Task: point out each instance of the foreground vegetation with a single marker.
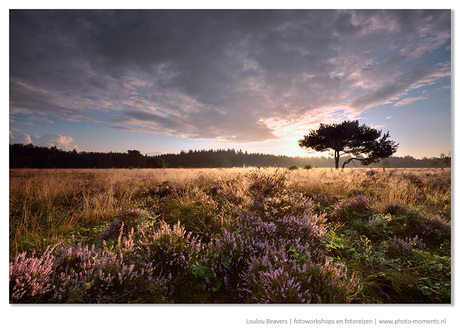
(237, 235)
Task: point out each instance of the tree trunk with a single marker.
(336, 158)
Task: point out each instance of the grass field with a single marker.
(240, 235)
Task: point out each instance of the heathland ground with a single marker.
(240, 235)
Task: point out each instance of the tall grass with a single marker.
(46, 205)
(428, 187)
(230, 235)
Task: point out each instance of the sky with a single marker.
(162, 81)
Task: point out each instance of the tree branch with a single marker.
(349, 160)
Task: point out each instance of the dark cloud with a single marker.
(218, 74)
(28, 99)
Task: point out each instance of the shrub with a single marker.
(413, 179)
(227, 258)
(276, 278)
(224, 262)
(394, 209)
(230, 195)
(307, 167)
(31, 278)
(281, 205)
(172, 251)
(309, 230)
(80, 273)
(323, 200)
(196, 211)
(376, 227)
(263, 184)
(293, 167)
(100, 275)
(126, 220)
(164, 189)
(399, 246)
(281, 276)
(358, 208)
(433, 229)
(171, 248)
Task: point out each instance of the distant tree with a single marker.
(361, 142)
(445, 160)
(154, 162)
(134, 158)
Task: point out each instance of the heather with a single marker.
(241, 235)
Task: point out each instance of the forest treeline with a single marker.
(30, 156)
(233, 158)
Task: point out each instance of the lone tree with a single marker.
(361, 142)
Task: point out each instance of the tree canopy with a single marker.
(361, 142)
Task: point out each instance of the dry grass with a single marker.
(410, 187)
(47, 205)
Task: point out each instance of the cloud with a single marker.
(378, 126)
(408, 101)
(20, 139)
(124, 128)
(447, 87)
(220, 75)
(47, 140)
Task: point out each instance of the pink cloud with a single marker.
(20, 139)
(48, 140)
(408, 101)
